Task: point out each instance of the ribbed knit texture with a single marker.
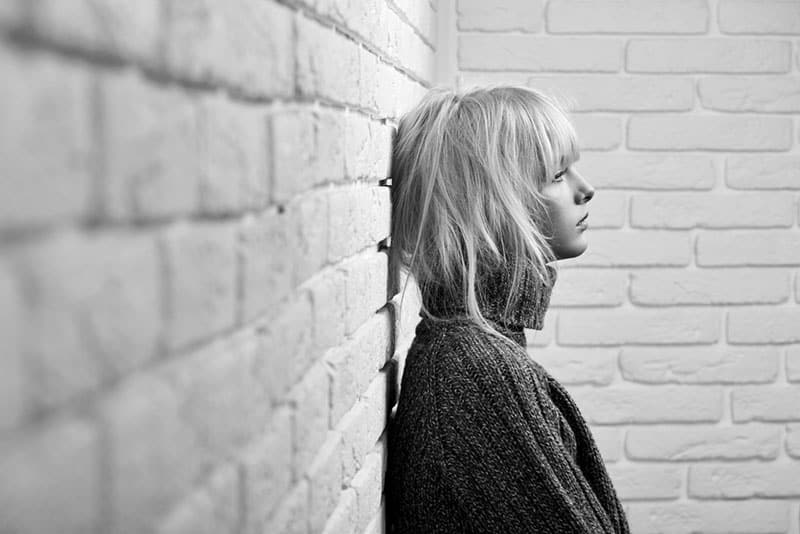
(484, 439)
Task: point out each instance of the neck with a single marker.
(526, 311)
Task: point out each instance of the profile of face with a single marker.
(566, 195)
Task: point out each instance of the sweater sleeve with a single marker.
(503, 463)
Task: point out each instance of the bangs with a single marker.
(564, 142)
(559, 145)
(550, 132)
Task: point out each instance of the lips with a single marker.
(582, 220)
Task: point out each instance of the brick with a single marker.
(703, 442)
(797, 287)
(748, 248)
(649, 171)
(113, 28)
(376, 526)
(14, 404)
(793, 364)
(369, 74)
(578, 366)
(267, 471)
(714, 55)
(152, 453)
(589, 287)
(598, 132)
(634, 405)
(54, 467)
(771, 95)
(379, 26)
(496, 16)
(366, 280)
(422, 17)
(685, 517)
(234, 174)
(344, 515)
(609, 441)
(651, 248)
(697, 132)
(682, 17)
(699, 365)
(286, 346)
(307, 150)
(202, 37)
(650, 482)
(765, 403)
(743, 481)
(358, 21)
(327, 64)
(762, 172)
(46, 152)
(668, 287)
(201, 264)
(267, 269)
(382, 140)
(328, 292)
(359, 218)
(793, 440)
(763, 324)
(374, 159)
(151, 149)
(533, 53)
(291, 517)
(368, 484)
(615, 93)
(325, 482)
(308, 234)
(212, 508)
(693, 210)
(219, 396)
(758, 17)
(468, 79)
(94, 313)
(362, 426)
(640, 326)
(310, 398)
(355, 364)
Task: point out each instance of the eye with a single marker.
(560, 174)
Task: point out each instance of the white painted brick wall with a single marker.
(197, 333)
(678, 330)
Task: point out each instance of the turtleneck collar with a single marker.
(528, 311)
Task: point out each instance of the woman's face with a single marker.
(566, 195)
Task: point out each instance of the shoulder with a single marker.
(465, 360)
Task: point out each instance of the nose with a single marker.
(584, 190)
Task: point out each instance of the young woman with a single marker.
(485, 199)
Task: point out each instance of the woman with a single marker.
(485, 199)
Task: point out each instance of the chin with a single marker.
(571, 250)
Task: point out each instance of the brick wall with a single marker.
(678, 331)
(195, 316)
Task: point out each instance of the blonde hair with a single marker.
(467, 170)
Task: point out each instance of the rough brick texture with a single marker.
(198, 328)
(197, 334)
(677, 331)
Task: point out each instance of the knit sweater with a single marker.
(484, 439)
